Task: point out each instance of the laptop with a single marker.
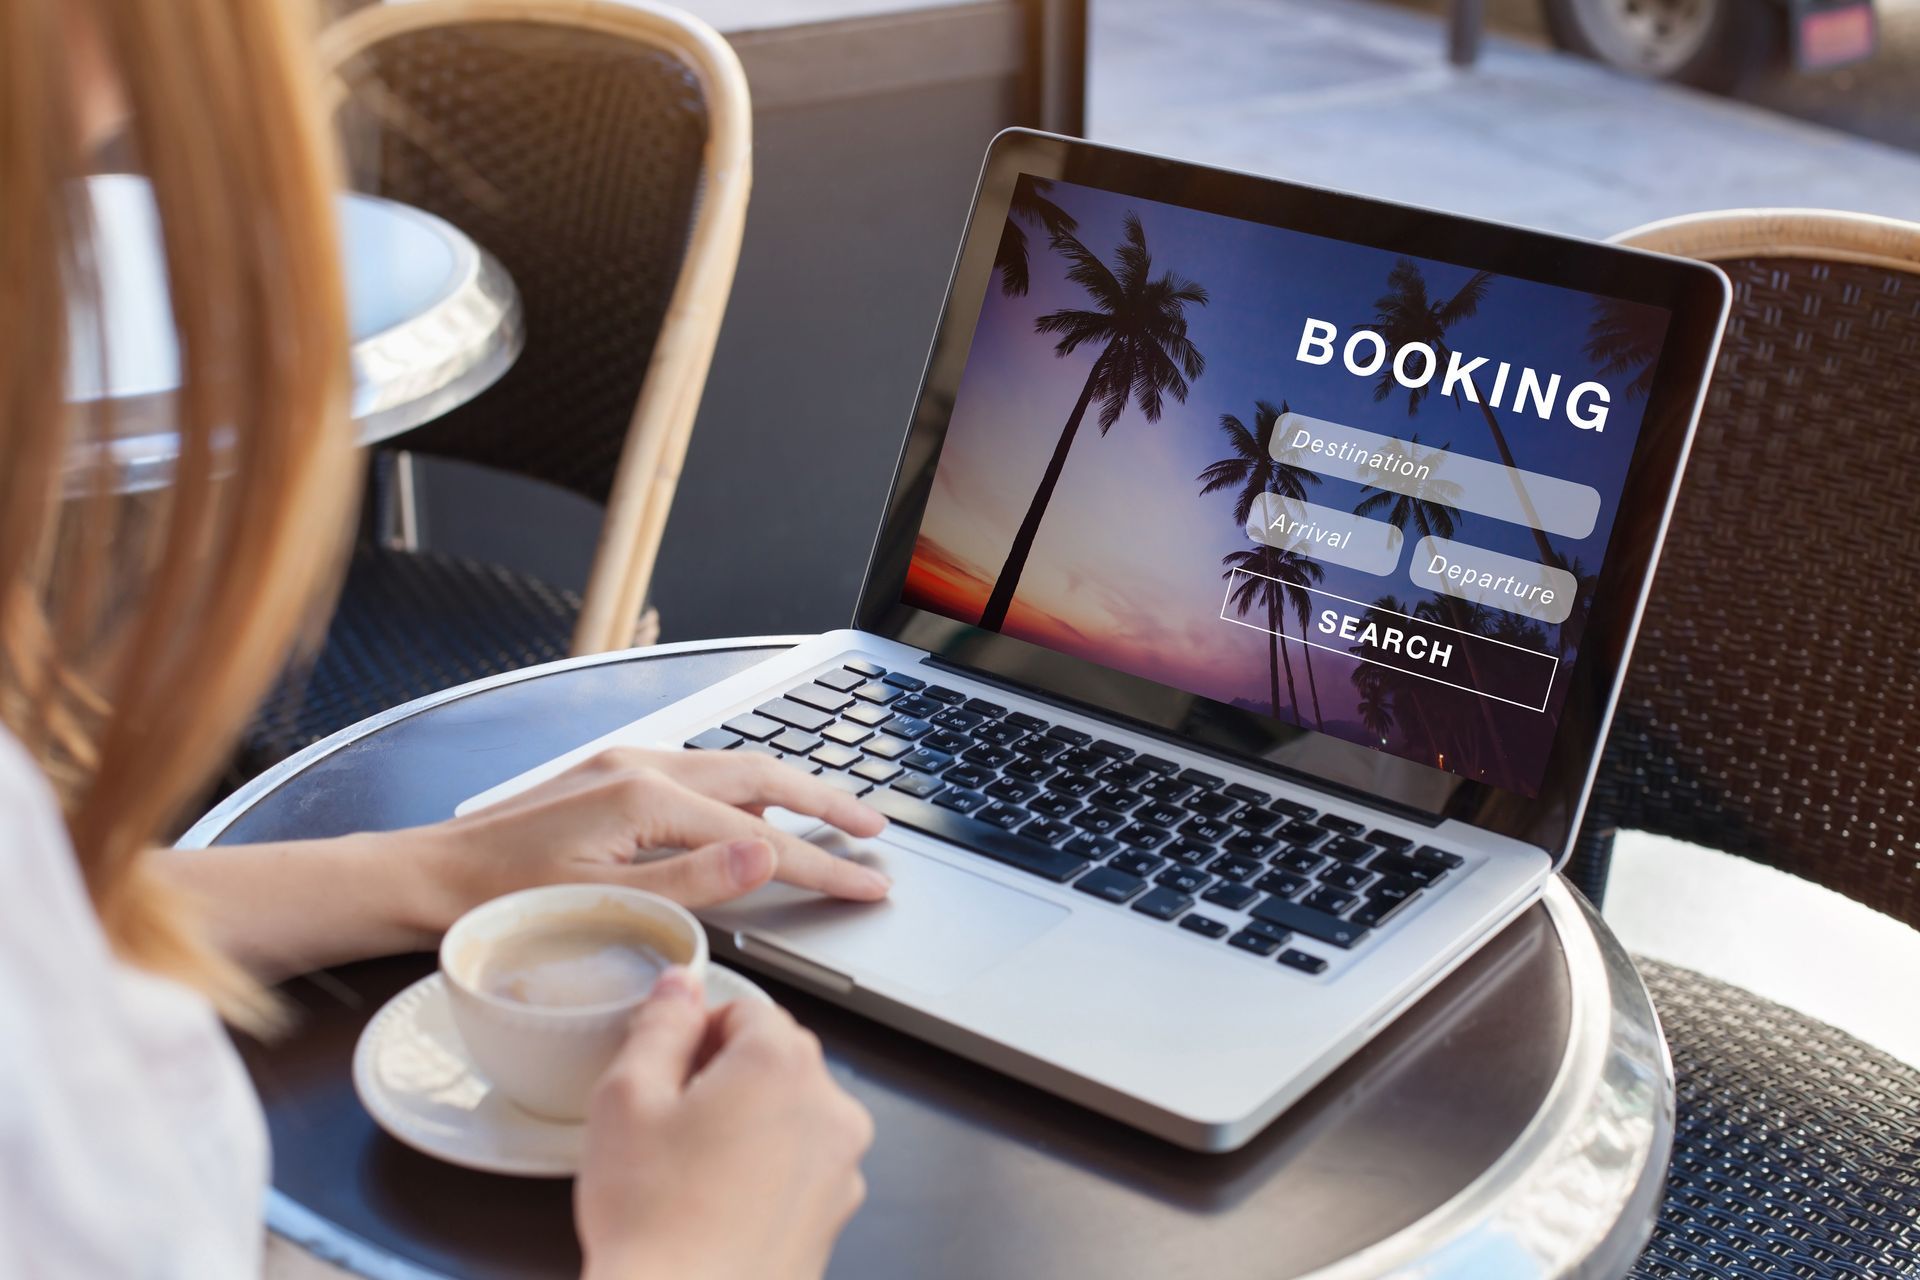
(1241, 632)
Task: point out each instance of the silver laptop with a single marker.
(1241, 632)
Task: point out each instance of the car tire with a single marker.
(1711, 44)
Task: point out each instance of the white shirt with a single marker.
(131, 1143)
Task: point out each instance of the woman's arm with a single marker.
(286, 908)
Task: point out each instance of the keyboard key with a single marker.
(970, 776)
(1231, 866)
(1330, 900)
(759, 749)
(1348, 849)
(1047, 831)
(1012, 791)
(842, 681)
(877, 770)
(1077, 785)
(981, 707)
(1071, 736)
(1230, 895)
(1159, 815)
(987, 755)
(1262, 822)
(1080, 760)
(1304, 834)
(1375, 912)
(819, 697)
(1202, 779)
(1345, 826)
(1212, 804)
(759, 728)
(1054, 805)
(1258, 943)
(1101, 822)
(1027, 769)
(1188, 853)
(1111, 885)
(787, 712)
(877, 693)
(1342, 876)
(846, 782)
(1315, 924)
(1248, 845)
(1407, 868)
(835, 756)
(947, 740)
(1297, 959)
(958, 718)
(713, 740)
(926, 761)
(1041, 747)
(1292, 808)
(916, 706)
(1143, 836)
(1125, 776)
(999, 733)
(1205, 926)
(1165, 789)
(960, 800)
(872, 717)
(847, 735)
(1119, 799)
(1163, 903)
(1206, 830)
(1428, 853)
(1112, 750)
(1302, 861)
(940, 693)
(1250, 795)
(794, 742)
(901, 680)
(1088, 845)
(887, 747)
(1267, 930)
(871, 670)
(1185, 879)
(1393, 889)
(1388, 840)
(908, 727)
(1136, 863)
(917, 785)
(1282, 884)
(1024, 722)
(1004, 815)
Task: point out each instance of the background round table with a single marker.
(434, 321)
(1515, 1123)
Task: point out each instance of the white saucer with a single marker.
(413, 1076)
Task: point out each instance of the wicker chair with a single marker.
(1772, 710)
(601, 152)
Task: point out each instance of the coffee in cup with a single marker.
(543, 982)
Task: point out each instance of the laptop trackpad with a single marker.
(940, 926)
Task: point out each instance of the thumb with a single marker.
(664, 1038)
(710, 874)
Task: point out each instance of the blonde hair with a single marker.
(138, 633)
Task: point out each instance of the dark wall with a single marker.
(868, 140)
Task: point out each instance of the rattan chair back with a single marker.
(1772, 708)
(600, 151)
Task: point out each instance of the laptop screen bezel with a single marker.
(1695, 293)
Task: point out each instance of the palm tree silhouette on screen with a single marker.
(1031, 206)
(1140, 321)
(1405, 313)
(1623, 337)
(1250, 469)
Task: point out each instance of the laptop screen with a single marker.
(1353, 490)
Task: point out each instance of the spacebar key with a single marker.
(1315, 924)
(981, 837)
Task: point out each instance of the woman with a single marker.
(135, 639)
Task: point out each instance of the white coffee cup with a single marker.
(546, 1057)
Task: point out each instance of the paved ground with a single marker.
(1354, 94)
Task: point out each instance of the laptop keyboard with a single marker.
(1222, 860)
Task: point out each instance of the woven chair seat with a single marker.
(411, 623)
(1797, 1152)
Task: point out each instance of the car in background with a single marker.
(1714, 44)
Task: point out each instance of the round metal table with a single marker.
(1516, 1123)
(434, 321)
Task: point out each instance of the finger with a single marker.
(754, 781)
(699, 819)
(713, 873)
(663, 1040)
